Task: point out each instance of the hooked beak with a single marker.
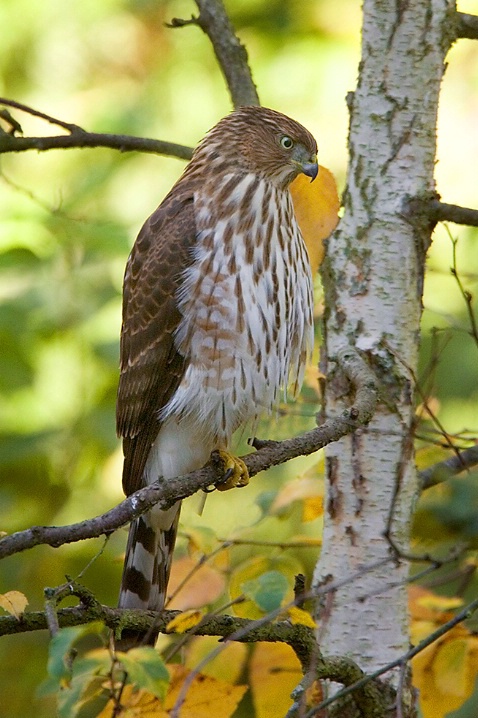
(311, 168)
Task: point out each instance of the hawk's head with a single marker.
(259, 140)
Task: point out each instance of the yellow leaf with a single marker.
(185, 621)
(440, 603)
(297, 490)
(448, 668)
(14, 603)
(313, 508)
(427, 606)
(298, 615)
(201, 539)
(227, 666)
(202, 587)
(274, 672)
(135, 704)
(205, 697)
(316, 206)
(445, 672)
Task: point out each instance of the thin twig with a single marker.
(79, 138)
(467, 296)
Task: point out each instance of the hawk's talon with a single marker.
(235, 473)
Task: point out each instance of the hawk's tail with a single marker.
(147, 566)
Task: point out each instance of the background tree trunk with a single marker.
(373, 280)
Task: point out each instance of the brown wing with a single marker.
(151, 368)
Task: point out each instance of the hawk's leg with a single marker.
(234, 471)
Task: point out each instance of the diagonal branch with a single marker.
(230, 53)
(80, 138)
(166, 493)
(437, 473)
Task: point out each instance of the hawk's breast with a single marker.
(246, 303)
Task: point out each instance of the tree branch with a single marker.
(442, 212)
(299, 637)
(466, 26)
(441, 471)
(80, 138)
(116, 619)
(166, 493)
(230, 53)
(436, 211)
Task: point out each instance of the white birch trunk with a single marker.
(373, 278)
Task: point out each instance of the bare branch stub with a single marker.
(442, 212)
(466, 26)
(432, 209)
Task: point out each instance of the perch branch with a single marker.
(230, 53)
(166, 493)
(80, 138)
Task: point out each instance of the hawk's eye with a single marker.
(286, 142)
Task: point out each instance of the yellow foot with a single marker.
(234, 470)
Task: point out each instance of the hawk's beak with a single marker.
(311, 168)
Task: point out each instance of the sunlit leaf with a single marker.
(274, 671)
(202, 538)
(298, 490)
(227, 666)
(185, 621)
(298, 615)
(135, 704)
(313, 508)
(14, 602)
(316, 205)
(202, 587)
(445, 672)
(205, 697)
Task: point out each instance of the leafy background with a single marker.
(68, 220)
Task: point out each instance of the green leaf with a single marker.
(84, 689)
(60, 664)
(146, 669)
(267, 591)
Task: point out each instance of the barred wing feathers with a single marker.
(151, 367)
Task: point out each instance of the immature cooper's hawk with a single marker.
(217, 318)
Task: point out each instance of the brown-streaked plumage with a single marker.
(217, 320)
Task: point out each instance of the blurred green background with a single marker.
(69, 218)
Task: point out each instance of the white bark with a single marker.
(373, 278)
